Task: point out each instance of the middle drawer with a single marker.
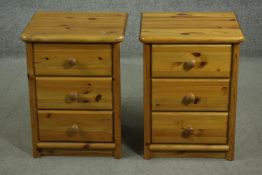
(190, 94)
(74, 93)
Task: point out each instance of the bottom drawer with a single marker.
(82, 126)
(189, 127)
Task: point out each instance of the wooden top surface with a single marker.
(76, 27)
(193, 27)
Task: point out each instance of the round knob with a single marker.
(71, 61)
(189, 98)
(189, 64)
(74, 129)
(72, 96)
(187, 132)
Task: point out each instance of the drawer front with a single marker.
(74, 93)
(190, 95)
(72, 60)
(85, 126)
(191, 60)
(189, 127)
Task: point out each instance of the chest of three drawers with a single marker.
(74, 83)
(190, 84)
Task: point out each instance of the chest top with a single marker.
(75, 27)
(195, 27)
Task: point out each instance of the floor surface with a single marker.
(15, 132)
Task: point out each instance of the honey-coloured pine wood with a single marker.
(117, 101)
(77, 152)
(90, 93)
(190, 27)
(189, 127)
(191, 60)
(190, 83)
(79, 126)
(233, 102)
(70, 145)
(76, 27)
(32, 99)
(190, 94)
(186, 154)
(147, 98)
(74, 82)
(187, 147)
(73, 59)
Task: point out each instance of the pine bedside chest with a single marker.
(190, 84)
(73, 63)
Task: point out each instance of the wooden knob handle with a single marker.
(72, 96)
(187, 132)
(71, 61)
(74, 129)
(189, 64)
(189, 98)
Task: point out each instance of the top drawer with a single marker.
(191, 60)
(73, 59)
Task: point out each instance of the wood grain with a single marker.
(117, 101)
(147, 100)
(172, 60)
(32, 99)
(191, 16)
(74, 82)
(207, 127)
(74, 152)
(93, 126)
(187, 147)
(72, 145)
(91, 93)
(190, 27)
(233, 102)
(188, 154)
(90, 59)
(76, 27)
(210, 94)
(193, 67)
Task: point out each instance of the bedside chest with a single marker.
(190, 84)
(73, 63)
